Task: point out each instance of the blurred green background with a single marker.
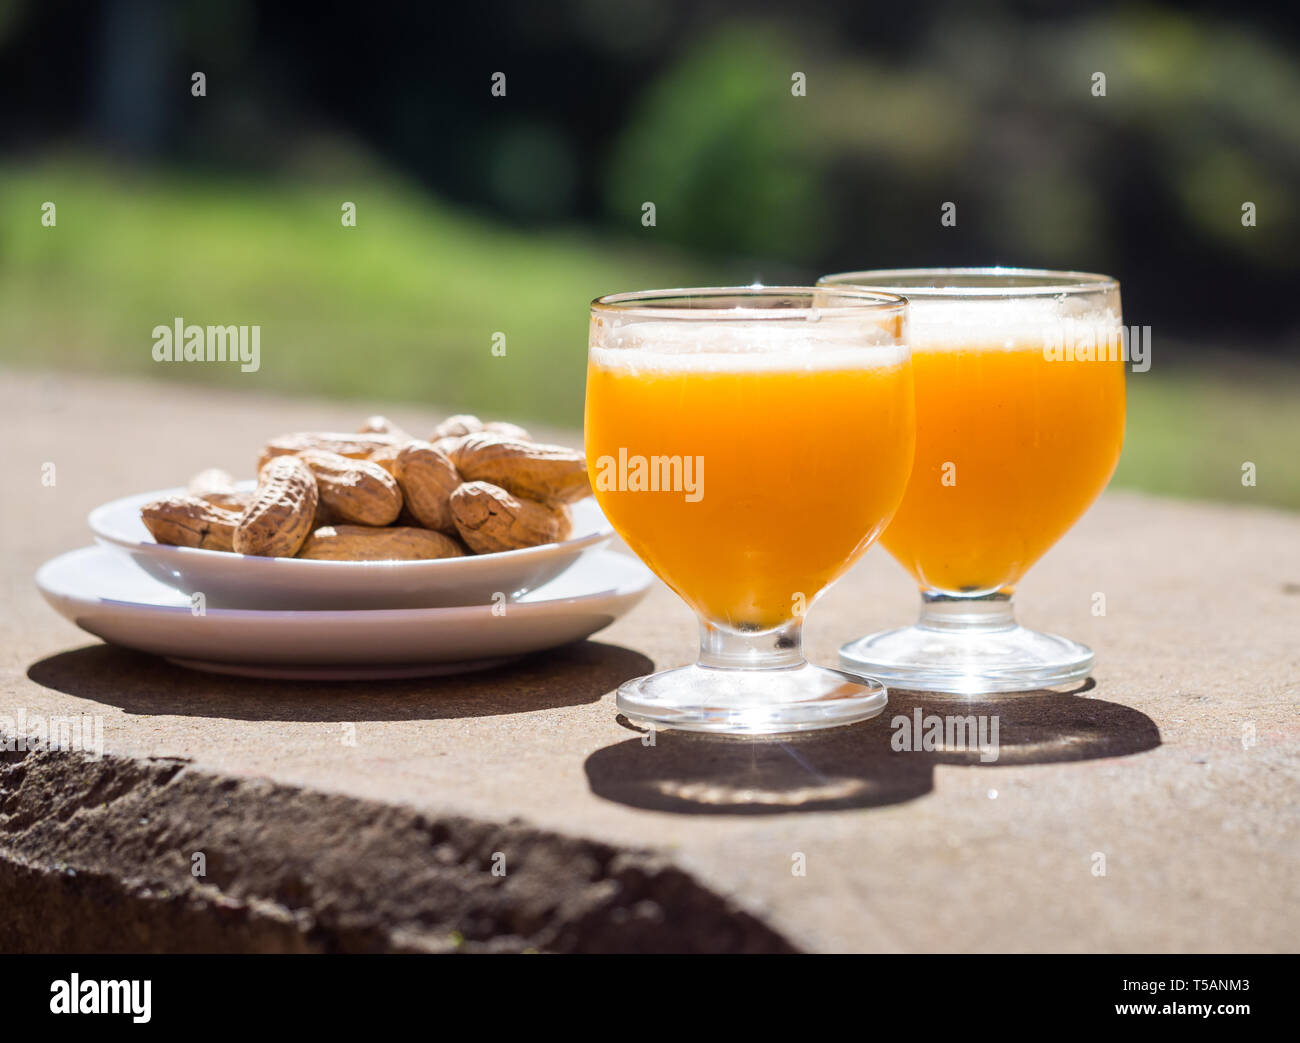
(479, 214)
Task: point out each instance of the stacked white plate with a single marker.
(287, 617)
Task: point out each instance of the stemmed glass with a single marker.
(749, 444)
(1020, 419)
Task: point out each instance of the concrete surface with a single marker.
(1174, 769)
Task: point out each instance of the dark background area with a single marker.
(610, 103)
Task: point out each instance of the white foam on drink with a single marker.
(1003, 325)
(738, 346)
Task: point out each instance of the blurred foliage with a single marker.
(479, 214)
(723, 155)
(1190, 429)
(402, 306)
(997, 115)
(689, 106)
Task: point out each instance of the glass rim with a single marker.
(1038, 282)
(656, 304)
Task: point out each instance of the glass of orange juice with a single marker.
(749, 444)
(1020, 419)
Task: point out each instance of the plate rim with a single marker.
(639, 581)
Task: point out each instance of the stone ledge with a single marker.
(290, 870)
(1179, 762)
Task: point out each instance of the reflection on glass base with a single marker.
(751, 702)
(1009, 659)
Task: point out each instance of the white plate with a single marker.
(229, 580)
(104, 594)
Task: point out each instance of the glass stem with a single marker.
(986, 613)
(723, 649)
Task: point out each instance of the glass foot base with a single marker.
(751, 702)
(1009, 659)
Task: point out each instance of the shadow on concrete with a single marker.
(859, 766)
(144, 684)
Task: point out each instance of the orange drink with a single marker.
(749, 445)
(1020, 419)
(799, 465)
(1011, 449)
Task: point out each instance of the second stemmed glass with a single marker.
(749, 444)
(1020, 418)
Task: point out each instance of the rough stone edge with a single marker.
(96, 855)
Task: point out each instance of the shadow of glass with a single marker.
(144, 684)
(1040, 727)
(866, 765)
